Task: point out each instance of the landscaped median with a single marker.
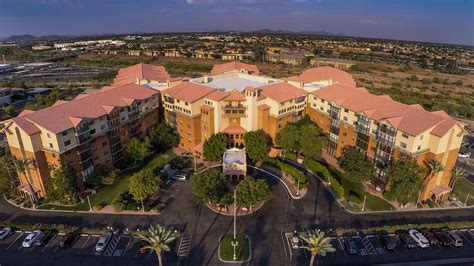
(241, 244)
(294, 179)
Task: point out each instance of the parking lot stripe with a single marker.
(86, 241)
(15, 240)
(50, 241)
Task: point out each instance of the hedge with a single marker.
(405, 227)
(337, 187)
(297, 175)
(61, 228)
(318, 169)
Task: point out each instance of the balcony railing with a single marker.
(234, 111)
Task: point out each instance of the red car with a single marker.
(142, 250)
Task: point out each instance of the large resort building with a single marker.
(234, 99)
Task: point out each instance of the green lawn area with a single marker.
(105, 195)
(374, 203)
(226, 250)
(462, 188)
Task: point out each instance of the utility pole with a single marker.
(465, 202)
(235, 243)
(143, 206)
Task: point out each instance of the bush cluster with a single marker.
(298, 176)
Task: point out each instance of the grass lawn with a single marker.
(226, 250)
(106, 194)
(462, 188)
(373, 203)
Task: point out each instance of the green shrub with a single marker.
(291, 156)
(355, 198)
(337, 187)
(389, 196)
(318, 169)
(101, 205)
(298, 176)
(158, 208)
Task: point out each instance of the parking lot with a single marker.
(370, 249)
(121, 246)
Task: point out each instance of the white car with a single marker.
(464, 155)
(103, 241)
(180, 177)
(32, 238)
(5, 232)
(419, 238)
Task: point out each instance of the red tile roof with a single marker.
(67, 115)
(263, 106)
(217, 95)
(141, 71)
(234, 130)
(324, 73)
(235, 96)
(407, 118)
(234, 65)
(188, 91)
(281, 92)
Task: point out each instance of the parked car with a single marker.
(419, 238)
(390, 242)
(444, 238)
(295, 241)
(430, 236)
(407, 240)
(169, 181)
(31, 238)
(464, 155)
(350, 245)
(104, 240)
(180, 177)
(457, 241)
(67, 239)
(44, 238)
(5, 233)
(141, 249)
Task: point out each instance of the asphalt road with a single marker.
(266, 227)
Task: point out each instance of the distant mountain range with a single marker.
(322, 33)
(30, 38)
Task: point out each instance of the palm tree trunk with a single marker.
(311, 262)
(160, 263)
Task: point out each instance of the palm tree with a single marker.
(317, 243)
(435, 167)
(158, 238)
(21, 166)
(456, 173)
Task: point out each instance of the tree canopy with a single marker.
(357, 167)
(303, 137)
(209, 186)
(143, 183)
(163, 137)
(256, 145)
(405, 180)
(138, 150)
(250, 192)
(63, 185)
(215, 146)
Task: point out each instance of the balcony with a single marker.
(234, 111)
(83, 137)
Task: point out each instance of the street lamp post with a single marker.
(88, 201)
(235, 243)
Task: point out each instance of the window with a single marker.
(421, 137)
(104, 143)
(92, 131)
(54, 155)
(64, 133)
(345, 118)
(47, 134)
(67, 143)
(68, 152)
(344, 134)
(405, 135)
(403, 145)
(419, 147)
(346, 110)
(51, 145)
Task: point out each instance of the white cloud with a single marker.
(191, 2)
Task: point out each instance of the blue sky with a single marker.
(449, 21)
